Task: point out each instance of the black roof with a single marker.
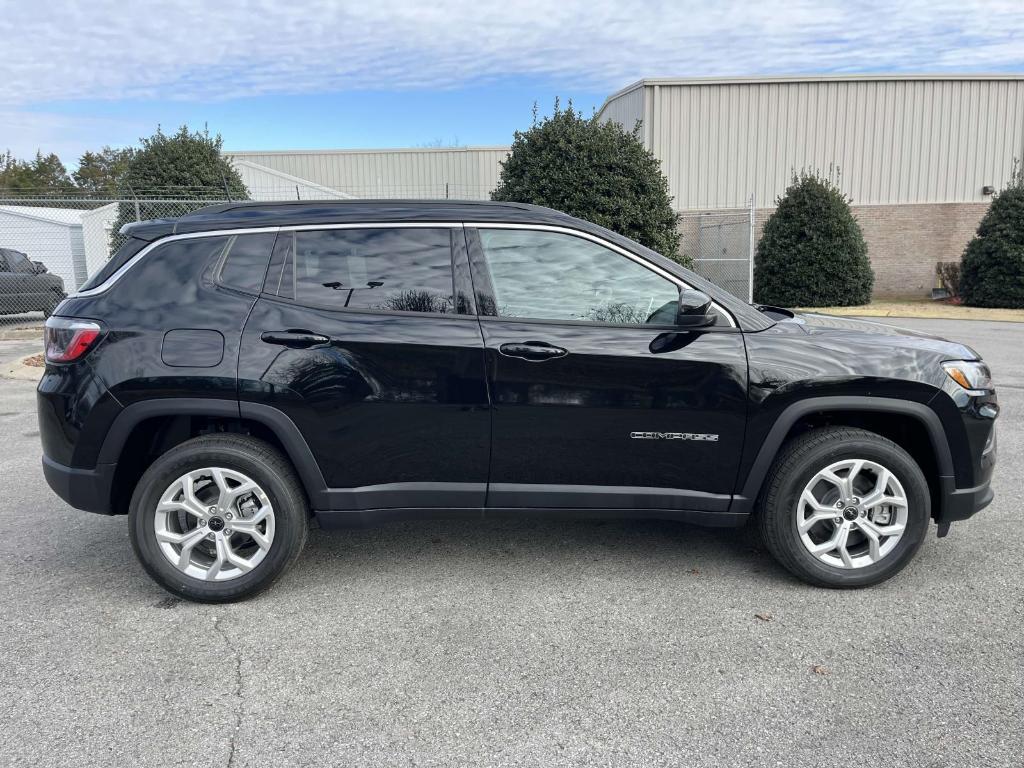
(256, 214)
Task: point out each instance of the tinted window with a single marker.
(245, 261)
(396, 269)
(554, 276)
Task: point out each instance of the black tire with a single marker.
(794, 468)
(256, 459)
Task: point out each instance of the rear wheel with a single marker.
(844, 507)
(218, 518)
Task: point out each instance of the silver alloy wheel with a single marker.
(852, 513)
(214, 524)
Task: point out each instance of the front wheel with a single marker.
(218, 518)
(844, 507)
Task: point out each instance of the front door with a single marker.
(361, 339)
(598, 403)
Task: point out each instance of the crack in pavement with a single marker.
(238, 690)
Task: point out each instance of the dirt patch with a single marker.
(35, 361)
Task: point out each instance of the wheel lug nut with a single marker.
(201, 522)
(839, 521)
(839, 504)
(228, 515)
(213, 510)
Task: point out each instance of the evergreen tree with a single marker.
(812, 252)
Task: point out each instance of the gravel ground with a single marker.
(513, 643)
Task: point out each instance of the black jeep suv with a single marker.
(26, 286)
(230, 373)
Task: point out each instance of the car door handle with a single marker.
(298, 339)
(535, 351)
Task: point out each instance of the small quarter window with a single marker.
(245, 259)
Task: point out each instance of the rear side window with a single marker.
(244, 262)
(398, 269)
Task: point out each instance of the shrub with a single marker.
(948, 273)
(185, 166)
(992, 270)
(595, 171)
(812, 252)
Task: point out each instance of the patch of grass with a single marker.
(924, 308)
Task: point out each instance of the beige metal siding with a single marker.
(467, 173)
(897, 140)
(626, 108)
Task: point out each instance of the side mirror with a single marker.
(37, 268)
(694, 309)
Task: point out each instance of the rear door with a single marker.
(15, 293)
(363, 340)
(597, 401)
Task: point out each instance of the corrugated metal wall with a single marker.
(626, 109)
(893, 140)
(466, 173)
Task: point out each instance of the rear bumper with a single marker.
(85, 489)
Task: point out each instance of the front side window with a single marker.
(19, 262)
(398, 269)
(555, 276)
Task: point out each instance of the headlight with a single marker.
(972, 376)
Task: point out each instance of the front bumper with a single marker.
(86, 489)
(962, 503)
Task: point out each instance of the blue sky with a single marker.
(469, 116)
(323, 73)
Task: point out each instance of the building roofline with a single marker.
(768, 79)
(26, 212)
(293, 179)
(243, 153)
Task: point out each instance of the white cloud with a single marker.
(199, 50)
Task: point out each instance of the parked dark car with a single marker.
(230, 373)
(26, 286)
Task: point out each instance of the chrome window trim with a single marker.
(679, 282)
(376, 225)
(110, 281)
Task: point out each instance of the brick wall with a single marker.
(905, 242)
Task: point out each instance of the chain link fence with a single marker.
(50, 245)
(721, 244)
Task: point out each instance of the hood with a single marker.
(815, 324)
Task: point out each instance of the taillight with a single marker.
(67, 339)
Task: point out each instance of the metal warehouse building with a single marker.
(456, 172)
(919, 155)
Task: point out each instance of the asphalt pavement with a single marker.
(514, 643)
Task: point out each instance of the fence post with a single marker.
(750, 251)
(138, 213)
